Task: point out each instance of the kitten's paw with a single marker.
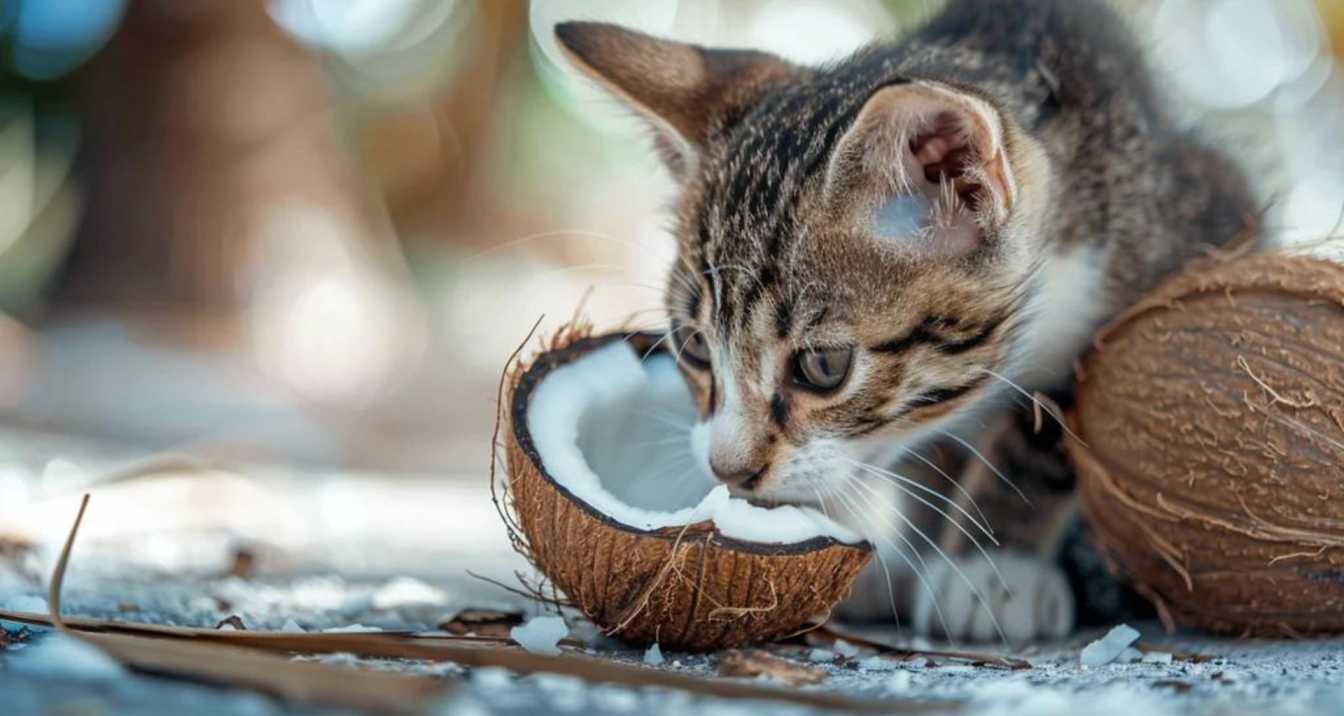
(1032, 601)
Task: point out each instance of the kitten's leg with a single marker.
(1032, 600)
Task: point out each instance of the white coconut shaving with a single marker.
(541, 635)
(615, 432)
(1110, 647)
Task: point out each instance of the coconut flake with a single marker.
(821, 656)
(352, 629)
(541, 635)
(67, 657)
(654, 656)
(1110, 647)
(602, 424)
(846, 649)
(879, 663)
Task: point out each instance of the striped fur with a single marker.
(1068, 156)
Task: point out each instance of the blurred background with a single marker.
(309, 232)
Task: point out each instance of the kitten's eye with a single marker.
(823, 369)
(692, 347)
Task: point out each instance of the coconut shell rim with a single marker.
(546, 362)
(1213, 276)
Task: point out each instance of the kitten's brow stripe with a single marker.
(784, 318)
(943, 394)
(923, 334)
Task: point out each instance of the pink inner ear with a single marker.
(944, 153)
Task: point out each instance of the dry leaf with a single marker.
(827, 634)
(239, 658)
(755, 662)
(276, 675)
(234, 621)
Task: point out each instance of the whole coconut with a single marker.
(1213, 466)
(621, 556)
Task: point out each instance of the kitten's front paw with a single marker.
(1032, 601)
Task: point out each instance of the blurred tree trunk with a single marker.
(444, 195)
(200, 119)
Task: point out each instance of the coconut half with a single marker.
(616, 513)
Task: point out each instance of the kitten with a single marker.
(878, 256)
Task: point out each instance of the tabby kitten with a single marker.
(878, 256)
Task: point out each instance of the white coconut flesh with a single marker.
(615, 432)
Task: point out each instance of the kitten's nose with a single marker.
(746, 478)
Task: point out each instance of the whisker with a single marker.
(667, 419)
(955, 483)
(886, 572)
(662, 441)
(1034, 400)
(900, 480)
(958, 439)
(849, 505)
(980, 598)
(559, 233)
(980, 548)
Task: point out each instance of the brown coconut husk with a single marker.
(688, 587)
(1213, 470)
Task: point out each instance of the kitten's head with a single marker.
(855, 247)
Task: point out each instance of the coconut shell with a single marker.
(1213, 467)
(688, 588)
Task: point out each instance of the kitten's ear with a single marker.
(928, 164)
(686, 92)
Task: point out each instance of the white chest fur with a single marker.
(1067, 308)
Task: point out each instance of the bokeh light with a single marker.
(51, 37)
(816, 31)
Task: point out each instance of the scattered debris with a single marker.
(879, 663)
(13, 547)
(1157, 657)
(243, 565)
(654, 656)
(541, 635)
(234, 622)
(482, 622)
(292, 627)
(1176, 685)
(1110, 647)
(821, 656)
(754, 662)
(846, 649)
(1176, 654)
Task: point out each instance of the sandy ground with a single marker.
(342, 551)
